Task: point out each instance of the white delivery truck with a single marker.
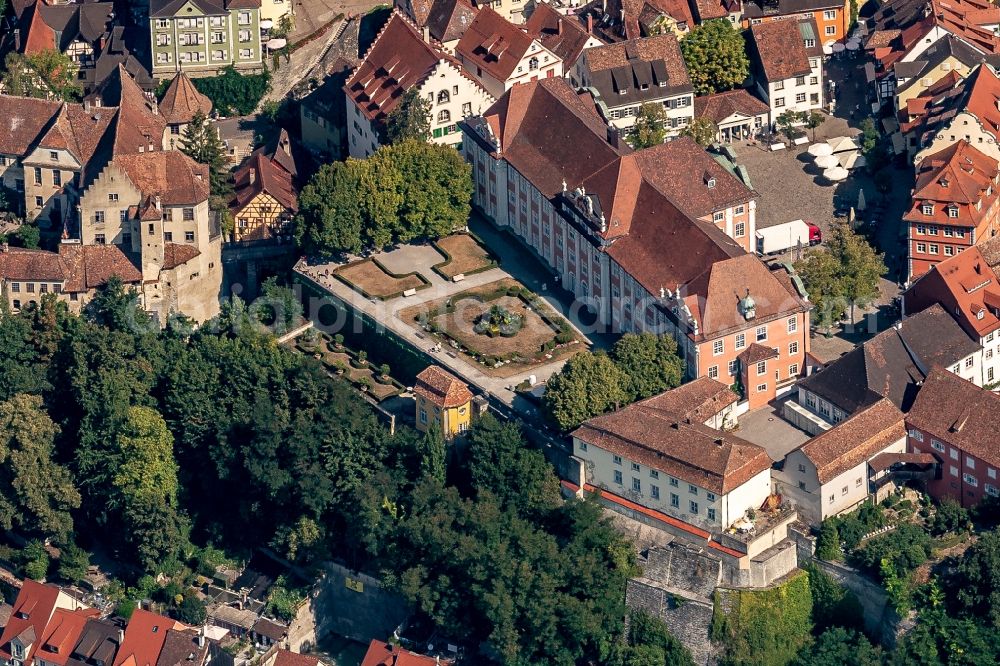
(782, 237)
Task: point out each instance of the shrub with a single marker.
(338, 340)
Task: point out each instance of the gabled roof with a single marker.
(397, 60)
(960, 182)
(949, 46)
(33, 607)
(935, 339)
(167, 8)
(780, 50)
(880, 368)
(977, 94)
(615, 20)
(898, 25)
(441, 388)
(449, 19)
(288, 658)
(966, 286)
(762, 8)
(181, 648)
(61, 634)
(144, 638)
(171, 175)
(90, 266)
(638, 70)
(494, 44)
(698, 400)
(18, 263)
(956, 411)
(688, 450)
(182, 101)
(563, 35)
(22, 120)
(98, 643)
(855, 440)
(261, 175)
(384, 654)
(722, 105)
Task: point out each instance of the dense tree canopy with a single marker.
(403, 192)
(233, 93)
(650, 128)
(716, 58)
(47, 74)
(411, 119)
(639, 366)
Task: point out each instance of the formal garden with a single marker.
(348, 364)
(373, 280)
(464, 255)
(502, 326)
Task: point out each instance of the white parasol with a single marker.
(841, 143)
(853, 45)
(827, 161)
(820, 149)
(266, 24)
(836, 174)
(838, 47)
(276, 43)
(849, 159)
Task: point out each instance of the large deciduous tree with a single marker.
(200, 141)
(716, 58)
(649, 362)
(47, 74)
(703, 130)
(589, 384)
(36, 494)
(403, 192)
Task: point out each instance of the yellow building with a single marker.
(441, 398)
(265, 196)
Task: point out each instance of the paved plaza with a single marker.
(765, 427)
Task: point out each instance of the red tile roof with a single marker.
(33, 607)
(691, 451)
(850, 443)
(176, 254)
(965, 286)
(288, 658)
(494, 44)
(384, 654)
(956, 178)
(898, 25)
(22, 119)
(698, 400)
(722, 105)
(61, 634)
(977, 94)
(171, 175)
(781, 50)
(441, 388)
(144, 637)
(182, 101)
(957, 412)
(261, 175)
(563, 35)
(23, 264)
(398, 59)
(90, 266)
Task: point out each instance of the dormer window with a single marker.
(927, 209)
(953, 211)
(622, 91)
(711, 183)
(980, 314)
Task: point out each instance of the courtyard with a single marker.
(765, 427)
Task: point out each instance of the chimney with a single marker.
(4, 247)
(253, 175)
(590, 24)
(286, 146)
(86, 106)
(201, 637)
(426, 33)
(559, 27)
(156, 202)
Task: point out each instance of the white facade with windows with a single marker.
(661, 491)
(799, 93)
(452, 95)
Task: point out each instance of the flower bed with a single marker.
(373, 280)
(464, 255)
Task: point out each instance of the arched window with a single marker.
(533, 63)
(444, 97)
(444, 116)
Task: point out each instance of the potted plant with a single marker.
(365, 384)
(362, 358)
(340, 367)
(384, 372)
(338, 341)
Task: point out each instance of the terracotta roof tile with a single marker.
(181, 649)
(260, 174)
(966, 286)
(956, 411)
(62, 633)
(616, 70)
(175, 254)
(855, 440)
(182, 101)
(781, 51)
(441, 387)
(756, 353)
(288, 658)
(699, 400)
(384, 654)
(397, 60)
(144, 638)
(494, 44)
(24, 264)
(91, 266)
(22, 120)
(563, 35)
(722, 105)
(449, 19)
(32, 610)
(691, 451)
(170, 175)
